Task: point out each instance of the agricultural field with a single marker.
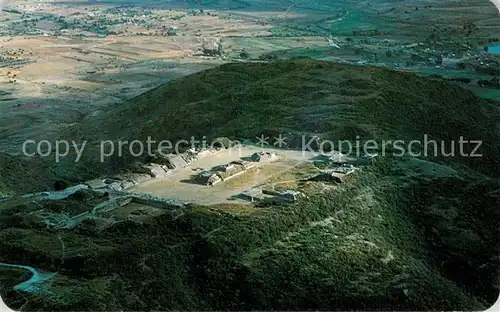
(63, 61)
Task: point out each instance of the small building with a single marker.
(116, 186)
(337, 175)
(243, 163)
(337, 158)
(138, 178)
(190, 156)
(96, 184)
(158, 171)
(174, 161)
(345, 169)
(222, 168)
(289, 196)
(230, 170)
(262, 156)
(208, 178)
(126, 184)
(253, 195)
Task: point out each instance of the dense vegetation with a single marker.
(394, 238)
(376, 243)
(335, 101)
(22, 175)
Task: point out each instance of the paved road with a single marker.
(34, 282)
(56, 195)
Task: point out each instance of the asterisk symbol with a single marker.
(280, 141)
(262, 141)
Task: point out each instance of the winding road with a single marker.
(34, 282)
